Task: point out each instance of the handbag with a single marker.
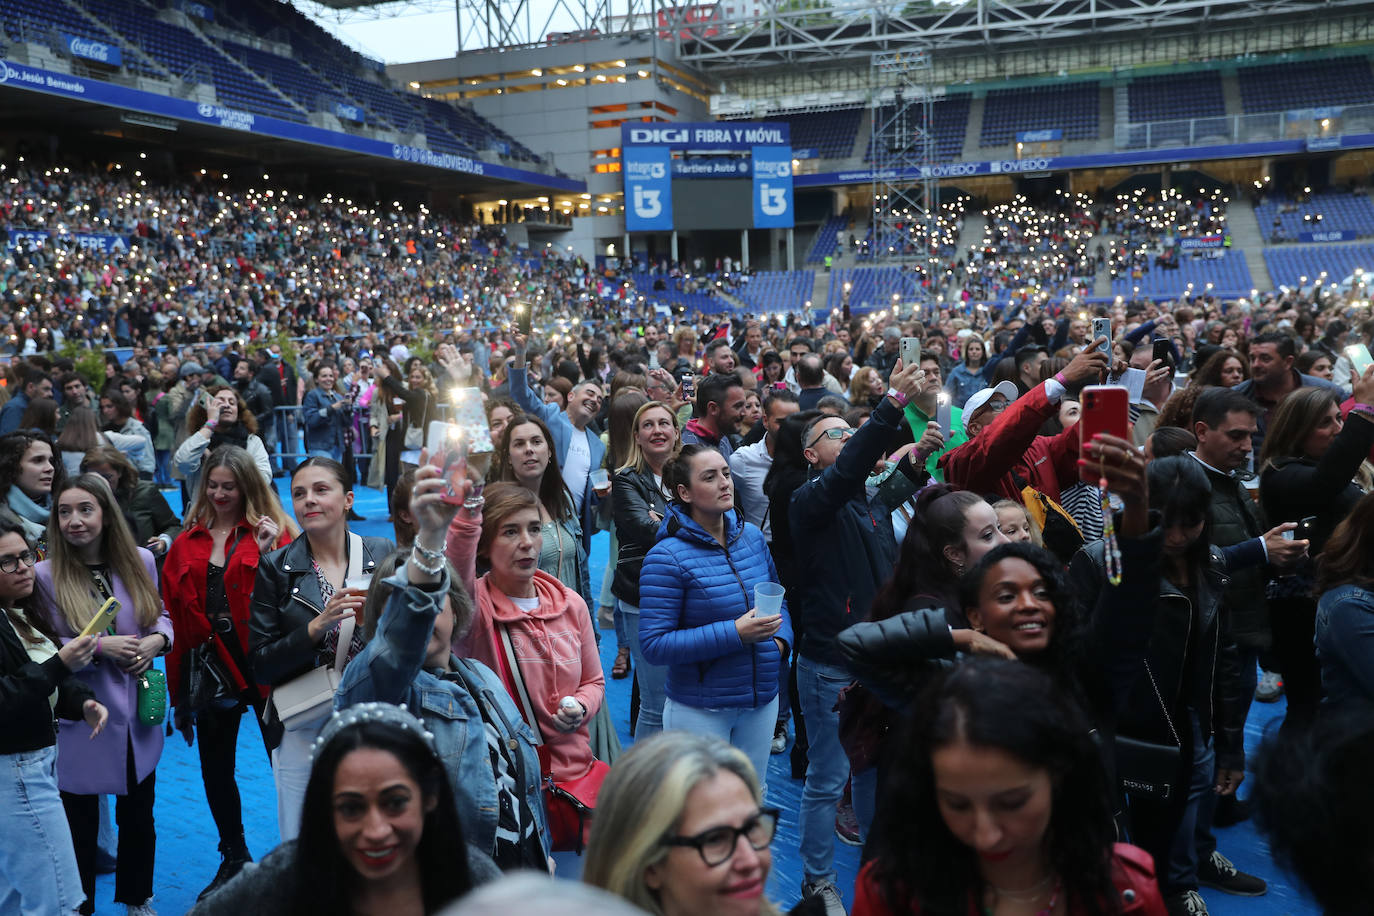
(571, 803)
(415, 438)
(152, 697)
(208, 684)
(309, 697)
(1147, 769)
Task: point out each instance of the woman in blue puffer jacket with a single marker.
(696, 602)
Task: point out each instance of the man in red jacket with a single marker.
(1005, 450)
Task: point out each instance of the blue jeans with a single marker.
(38, 872)
(288, 441)
(1194, 832)
(650, 678)
(750, 730)
(818, 689)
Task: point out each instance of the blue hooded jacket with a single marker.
(691, 591)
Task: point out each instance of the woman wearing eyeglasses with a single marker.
(38, 872)
(698, 615)
(668, 826)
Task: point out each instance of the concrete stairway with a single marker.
(975, 129)
(1246, 237)
(860, 148)
(1230, 91)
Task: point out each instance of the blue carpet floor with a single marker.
(187, 856)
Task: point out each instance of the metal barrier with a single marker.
(290, 415)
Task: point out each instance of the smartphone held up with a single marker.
(448, 450)
(1105, 409)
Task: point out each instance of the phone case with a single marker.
(102, 619)
(1106, 409)
(471, 419)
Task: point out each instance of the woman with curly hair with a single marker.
(221, 419)
(1002, 808)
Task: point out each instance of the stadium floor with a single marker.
(187, 854)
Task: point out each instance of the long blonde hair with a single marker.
(258, 498)
(75, 596)
(643, 800)
(634, 458)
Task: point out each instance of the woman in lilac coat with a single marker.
(92, 556)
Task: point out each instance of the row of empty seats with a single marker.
(830, 133)
(1284, 219)
(1072, 109)
(778, 290)
(827, 240)
(1227, 276)
(1294, 266)
(948, 124)
(871, 287)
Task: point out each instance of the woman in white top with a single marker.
(226, 421)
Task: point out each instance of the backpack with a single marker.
(1058, 530)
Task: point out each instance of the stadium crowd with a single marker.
(994, 643)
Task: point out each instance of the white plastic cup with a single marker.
(600, 478)
(767, 599)
(358, 583)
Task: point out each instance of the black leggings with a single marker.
(137, 838)
(217, 741)
(1293, 621)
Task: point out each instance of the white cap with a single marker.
(974, 404)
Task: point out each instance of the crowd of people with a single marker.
(993, 648)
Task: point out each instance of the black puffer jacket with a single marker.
(1188, 655)
(634, 500)
(24, 689)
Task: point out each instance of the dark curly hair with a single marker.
(918, 863)
(14, 446)
(1313, 800)
(1067, 649)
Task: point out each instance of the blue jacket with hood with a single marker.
(691, 591)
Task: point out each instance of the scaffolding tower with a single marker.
(906, 190)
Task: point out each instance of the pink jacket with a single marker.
(555, 650)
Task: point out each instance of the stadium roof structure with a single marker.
(812, 31)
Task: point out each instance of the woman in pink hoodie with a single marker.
(551, 643)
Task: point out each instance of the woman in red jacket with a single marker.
(1003, 809)
(207, 584)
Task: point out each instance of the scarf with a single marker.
(33, 516)
(236, 434)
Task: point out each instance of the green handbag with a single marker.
(152, 697)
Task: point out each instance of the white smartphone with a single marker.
(1359, 357)
(1102, 327)
(911, 351)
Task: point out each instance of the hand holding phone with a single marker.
(1106, 410)
(448, 448)
(1102, 327)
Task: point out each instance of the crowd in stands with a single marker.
(994, 648)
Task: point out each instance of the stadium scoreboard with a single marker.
(719, 175)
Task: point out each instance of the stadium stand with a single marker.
(1306, 84)
(1294, 266)
(830, 133)
(1285, 219)
(1175, 97)
(949, 120)
(1072, 109)
(827, 240)
(778, 290)
(870, 287)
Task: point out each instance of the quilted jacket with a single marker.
(691, 590)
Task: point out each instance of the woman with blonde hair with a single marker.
(207, 579)
(866, 387)
(668, 825)
(226, 420)
(91, 557)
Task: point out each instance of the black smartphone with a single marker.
(524, 320)
(1164, 350)
(1306, 528)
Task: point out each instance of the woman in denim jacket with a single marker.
(1345, 613)
(415, 607)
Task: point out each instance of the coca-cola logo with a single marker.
(85, 47)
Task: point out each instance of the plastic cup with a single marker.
(358, 583)
(600, 478)
(767, 599)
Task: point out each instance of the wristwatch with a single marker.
(897, 396)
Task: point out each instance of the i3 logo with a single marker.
(773, 201)
(646, 203)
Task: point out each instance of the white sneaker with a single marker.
(142, 909)
(829, 895)
(1186, 903)
(1269, 688)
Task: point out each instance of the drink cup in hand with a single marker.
(767, 599)
(600, 480)
(359, 584)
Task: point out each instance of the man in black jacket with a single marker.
(845, 550)
(254, 393)
(279, 378)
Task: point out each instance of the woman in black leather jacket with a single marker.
(301, 612)
(639, 505)
(1190, 693)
